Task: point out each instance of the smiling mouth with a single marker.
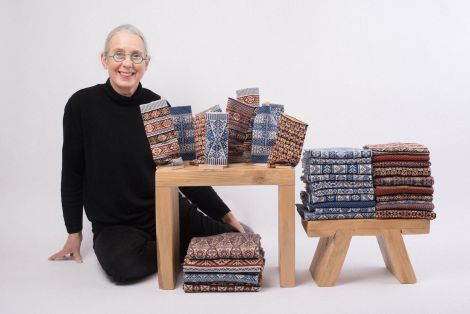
(126, 74)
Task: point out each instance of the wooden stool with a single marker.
(335, 236)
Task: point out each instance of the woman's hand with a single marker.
(230, 219)
(71, 249)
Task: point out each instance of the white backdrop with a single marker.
(358, 72)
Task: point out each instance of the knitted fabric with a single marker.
(330, 161)
(398, 148)
(405, 214)
(407, 164)
(336, 177)
(404, 197)
(249, 96)
(337, 153)
(248, 265)
(307, 215)
(160, 132)
(321, 185)
(402, 189)
(239, 124)
(416, 181)
(264, 134)
(312, 199)
(200, 132)
(290, 138)
(218, 278)
(400, 157)
(216, 152)
(338, 169)
(219, 288)
(402, 171)
(411, 205)
(336, 191)
(184, 126)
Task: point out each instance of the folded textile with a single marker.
(216, 152)
(219, 288)
(351, 204)
(264, 134)
(253, 279)
(160, 132)
(336, 177)
(184, 127)
(337, 153)
(331, 161)
(338, 184)
(289, 141)
(400, 205)
(402, 171)
(307, 215)
(338, 169)
(398, 148)
(277, 110)
(400, 157)
(312, 199)
(404, 197)
(248, 95)
(247, 265)
(226, 245)
(332, 210)
(337, 191)
(391, 190)
(400, 163)
(200, 131)
(415, 181)
(405, 214)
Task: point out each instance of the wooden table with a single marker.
(167, 181)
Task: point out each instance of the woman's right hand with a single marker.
(71, 249)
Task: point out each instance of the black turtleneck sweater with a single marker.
(107, 165)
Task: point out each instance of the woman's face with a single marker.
(126, 75)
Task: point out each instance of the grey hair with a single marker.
(125, 28)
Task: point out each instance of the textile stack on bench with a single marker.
(338, 184)
(228, 262)
(403, 181)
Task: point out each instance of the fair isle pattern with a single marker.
(160, 132)
(337, 153)
(217, 278)
(248, 96)
(325, 185)
(404, 197)
(336, 177)
(289, 141)
(264, 134)
(333, 210)
(325, 161)
(247, 265)
(339, 169)
(324, 192)
(226, 245)
(190, 288)
(417, 181)
(307, 215)
(312, 199)
(403, 189)
(399, 157)
(184, 126)
(408, 164)
(411, 205)
(216, 152)
(402, 171)
(405, 214)
(398, 148)
(200, 132)
(277, 110)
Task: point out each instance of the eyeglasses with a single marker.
(136, 57)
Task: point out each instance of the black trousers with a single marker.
(127, 253)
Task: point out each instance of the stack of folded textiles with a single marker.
(402, 180)
(338, 184)
(228, 262)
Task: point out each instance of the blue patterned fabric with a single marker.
(338, 169)
(338, 153)
(184, 127)
(336, 177)
(216, 152)
(308, 215)
(312, 207)
(337, 191)
(342, 210)
(221, 278)
(330, 161)
(264, 133)
(339, 185)
(340, 198)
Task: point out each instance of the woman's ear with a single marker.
(104, 60)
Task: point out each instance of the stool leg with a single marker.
(329, 258)
(395, 255)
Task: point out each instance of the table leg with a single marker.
(286, 223)
(168, 236)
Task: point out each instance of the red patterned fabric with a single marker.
(392, 190)
(404, 197)
(401, 171)
(219, 288)
(407, 164)
(400, 157)
(398, 148)
(405, 214)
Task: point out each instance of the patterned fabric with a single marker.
(405, 214)
(224, 265)
(277, 110)
(184, 126)
(337, 153)
(416, 181)
(398, 148)
(402, 171)
(407, 164)
(339, 169)
(290, 138)
(200, 132)
(160, 132)
(338, 191)
(332, 210)
(405, 205)
(219, 288)
(404, 197)
(307, 215)
(391, 190)
(216, 152)
(264, 132)
(239, 125)
(221, 278)
(339, 184)
(336, 177)
(248, 96)
(331, 161)
(400, 157)
(312, 199)
(225, 245)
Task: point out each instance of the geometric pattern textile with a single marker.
(405, 214)
(404, 197)
(339, 169)
(336, 177)
(337, 153)
(326, 161)
(392, 190)
(200, 132)
(416, 181)
(398, 148)
(219, 288)
(247, 265)
(183, 123)
(216, 152)
(221, 278)
(402, 171)
(399, 157)
(307, 215)
(249, 96)
(264, 134)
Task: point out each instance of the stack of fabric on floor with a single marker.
(338, 184)
(403, 181)
(228, 262)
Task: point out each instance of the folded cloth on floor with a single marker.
(415, 181)
(407, 164)
(404, 197)
(338, 169)
(400, 157)
(219, 288)
(411, 205)
(330, 161)
(405, 214)
(337, 191)
(398, 148)
(226, 245)
(247, 265)
(339, 184)
(337, 153)
(307, 215)
(402, 171)
(253, 279)
(336, 177)
(392, 190)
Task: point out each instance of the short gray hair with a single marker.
(125, 28)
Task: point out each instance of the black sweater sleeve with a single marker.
(73, 164)
(207, 200)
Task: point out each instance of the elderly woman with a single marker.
(107, 168)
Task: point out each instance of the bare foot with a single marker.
(230, 219)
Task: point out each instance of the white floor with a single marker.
(32, 284)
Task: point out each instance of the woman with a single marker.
(107, 168)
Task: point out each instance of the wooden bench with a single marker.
(335, 236)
